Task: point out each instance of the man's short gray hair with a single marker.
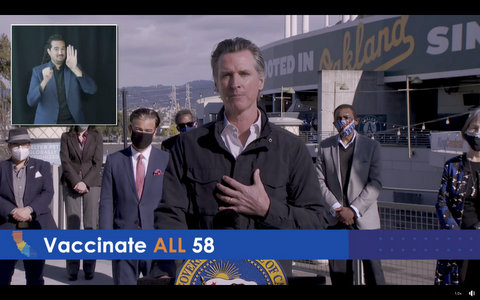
(235, 45)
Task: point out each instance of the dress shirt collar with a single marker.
(351, 141)
(256, 126)
(229, 134)
(145, 153)
(14, 165)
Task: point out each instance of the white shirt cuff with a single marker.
(356, 210)
(337, 205)
(332, 209)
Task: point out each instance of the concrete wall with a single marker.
(408, 176)
(366, 92)
(330, 95)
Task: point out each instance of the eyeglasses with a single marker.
(183, 125)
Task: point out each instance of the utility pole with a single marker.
(187, 97)
(173, 98)
(124, 103)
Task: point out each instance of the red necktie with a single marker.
(82, 139)
(140, 179)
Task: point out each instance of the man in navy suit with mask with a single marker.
(132, 187)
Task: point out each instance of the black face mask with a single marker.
(473, 141)
(141, 140)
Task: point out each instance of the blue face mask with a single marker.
(344, 127)
(186, 129)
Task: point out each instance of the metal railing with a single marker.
(400, 216)
(393, 216)
(310, 137)
(286, 114)
(390, 138)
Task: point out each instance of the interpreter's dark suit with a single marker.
(38, 195)
(120, 207)
(46, 101)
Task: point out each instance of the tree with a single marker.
(173, 129)
(5, 78)
(111, 132)
(5, 58)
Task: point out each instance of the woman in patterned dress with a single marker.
(458, 204)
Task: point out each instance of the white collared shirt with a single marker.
(146, 157)
(349, 143)
(230, 135)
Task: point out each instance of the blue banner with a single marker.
(240, 244)
(415, 244)
(173, 244)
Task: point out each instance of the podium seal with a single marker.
(231, 272)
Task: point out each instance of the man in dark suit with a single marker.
(240, 171)
(132, 187)
(26, 191)
(81, 153)
(56, 85)
(348, 169)
(185, 122)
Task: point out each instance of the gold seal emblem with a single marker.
(231, 272)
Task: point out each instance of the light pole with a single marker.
(413, 80)
(286, 90)
(124, 105)
(408, 119)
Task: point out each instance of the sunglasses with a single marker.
(188, 124)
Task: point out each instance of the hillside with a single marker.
(160, 95)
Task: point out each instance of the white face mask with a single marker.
(20, 153)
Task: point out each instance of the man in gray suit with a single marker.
(348, 169)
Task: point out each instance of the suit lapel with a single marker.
(88, 143)
(131, 177)
(30, 175)
(53, 83)
(73, 140)
(356, 153)
(355, 164)
(127, 164)
(150, 168)
(334, 169)
(67, 76)
(9, 176)
(336, 162)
